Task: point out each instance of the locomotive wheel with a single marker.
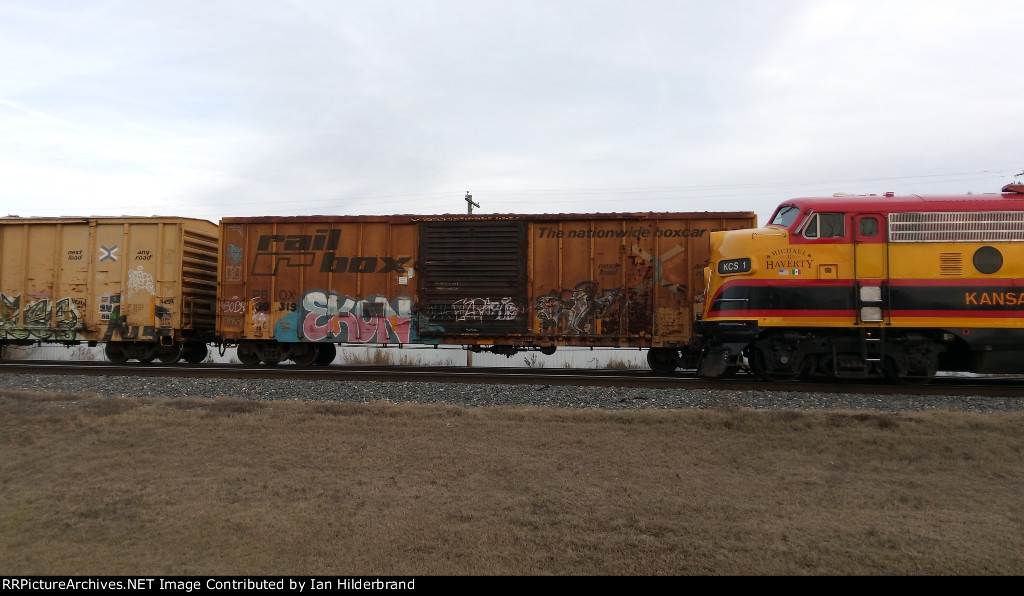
(194, 352)
(895, 373)
(325, 354)
(303, 354)
(170, 354)
(760, 366)
(247, 354)
(730, 372)
(115, 353)
(662, 360)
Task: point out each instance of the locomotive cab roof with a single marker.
(1011, 199)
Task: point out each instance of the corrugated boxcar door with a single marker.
(473, 277)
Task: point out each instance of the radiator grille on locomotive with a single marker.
(984, 226)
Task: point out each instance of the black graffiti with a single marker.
(42, 319)
(118, 326)
(322, 240)
(268, 263)
(333, 264)
(577, 310)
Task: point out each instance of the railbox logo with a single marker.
(274, 251)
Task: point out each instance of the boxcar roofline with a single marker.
(408, 218)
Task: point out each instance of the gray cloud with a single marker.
(246, 108)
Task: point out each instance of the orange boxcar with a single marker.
(293, 288)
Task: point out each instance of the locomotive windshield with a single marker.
(785, 216)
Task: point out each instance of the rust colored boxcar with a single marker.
(143, 286)
(292, 288)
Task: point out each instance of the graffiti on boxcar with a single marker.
(233, 266)
(232, 307)
(665, 275)
(163, 311)
(259, 318)
(476, 309)
(42, 319)
(117, 321)
(140, 280)
(577, 310)
(232, 322)
(232, 312)
(10, 309)
(328, 316)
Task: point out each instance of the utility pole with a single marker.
(469, 211)
(471, 204)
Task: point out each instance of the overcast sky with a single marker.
(214, 108)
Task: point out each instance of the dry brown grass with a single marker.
(99, 486)
(383, 357)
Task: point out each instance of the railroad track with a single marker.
(994, 386)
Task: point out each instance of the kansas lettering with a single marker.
(993, 298)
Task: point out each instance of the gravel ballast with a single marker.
(485, 395)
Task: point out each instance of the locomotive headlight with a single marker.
(731, 266)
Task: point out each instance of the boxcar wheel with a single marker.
(272, 352)
(115, 353)
(325, 354)
(144, 352)
(662, 360)
(194, 352)
(246, 353)
(170, 354)
(303, 354)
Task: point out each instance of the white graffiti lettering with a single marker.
(232, 307)
(140, 280)
(477, 308)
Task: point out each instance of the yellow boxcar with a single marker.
(144, 287)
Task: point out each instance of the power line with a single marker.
(499, 197)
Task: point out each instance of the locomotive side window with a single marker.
(786, 215)
(825, 225)
(869, 227)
